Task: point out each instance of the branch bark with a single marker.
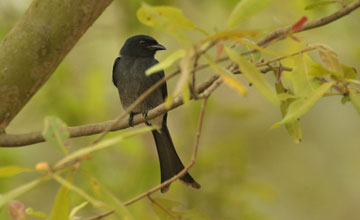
(18, 140)
(32, 50)
(14, 140)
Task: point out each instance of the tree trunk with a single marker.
(39, 41)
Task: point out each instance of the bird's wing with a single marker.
(114, 78)
(158, 76)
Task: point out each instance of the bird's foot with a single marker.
(131, 119)
(145, 114)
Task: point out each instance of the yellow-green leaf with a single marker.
(183, 83)
(56, 132)
(7, 197)
(111, 200)
(103, 144)
(286, 97)
(300, 106)
(167, 19)
(253, 75)
(61, 208)
(77, 208)
(319, 4)
(37, 214)
(349, 72)
(254, 46)
(227, 77)
(294, 129)
(300, 77)
(355, 99)
(68, 185)
(330, 60)
(13, 170)
(316, 69)
(167, 62)
(229, 34)
(244, 10)
(167, 204)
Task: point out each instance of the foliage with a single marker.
(310, 82)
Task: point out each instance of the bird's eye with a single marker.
(142, 42)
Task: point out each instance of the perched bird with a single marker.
(137, 55)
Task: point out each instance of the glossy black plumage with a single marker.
(137, 55)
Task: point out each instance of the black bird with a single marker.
(137, 55)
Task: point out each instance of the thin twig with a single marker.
(101, 216)
(15, 140)
(169, 212)
(18, 140)
(183, 172)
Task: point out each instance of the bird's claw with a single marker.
(145, 114)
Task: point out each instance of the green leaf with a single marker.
(349, 72)
(293, 128)
(102, 145)
(68, 185)
(7, 197)
(167, 19)
(319, 4)
(38, 214)
(300, 77)
(330, 60)
(56, 132)
(355, 99)
(286, 96)
(300, 106)
(254, 46)
(61, 208)
(183, 83)
(254, 76)
(244, 10)
(77, 208)
(110, 199)
(168, 205)
(167, 62)
(227, 77)
(316, 69)
(229, 34)
(13, 170)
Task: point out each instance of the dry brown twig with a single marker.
(176, 177)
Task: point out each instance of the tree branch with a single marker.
(35, 46)
(15, 140)
(281, 33)
(186, 169)
(177, 176)
(18, 140)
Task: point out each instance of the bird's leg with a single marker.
(145, 113)
(131, 119)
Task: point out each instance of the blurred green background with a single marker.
(247, 170)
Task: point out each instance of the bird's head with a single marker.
(141, 45)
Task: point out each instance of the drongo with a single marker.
(137, 55)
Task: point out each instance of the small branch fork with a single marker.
(174, 178)
(16, 140)
(202, 91)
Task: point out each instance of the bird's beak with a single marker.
(156, 47)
